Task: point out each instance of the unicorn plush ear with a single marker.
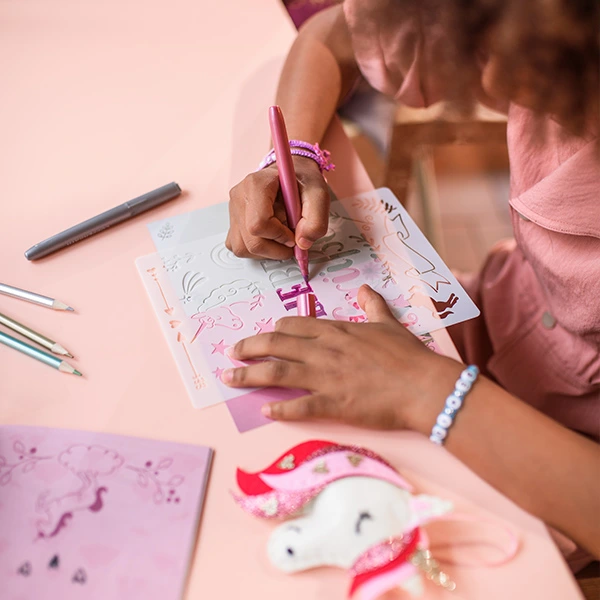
(427, 508)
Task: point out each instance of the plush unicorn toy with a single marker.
(350, 509)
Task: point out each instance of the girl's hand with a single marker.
(374, 374)
(257, 215)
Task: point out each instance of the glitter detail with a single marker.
(287, 463)
(321, 468)
(276, 504)
(383, 553)
(353, 450)
(355, 459)
(269, 508)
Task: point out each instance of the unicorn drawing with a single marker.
(350, 509)
(221, 316)
(88, 464)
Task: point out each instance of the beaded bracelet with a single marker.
(454, 402)
(300, 148)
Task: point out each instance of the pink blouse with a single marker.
(539, 332)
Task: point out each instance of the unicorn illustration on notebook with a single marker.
(347, 507)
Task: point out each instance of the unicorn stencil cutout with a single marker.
(221, 316)
(442, 308)
(351, 510)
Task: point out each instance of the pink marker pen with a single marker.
(307, 305)
(287, 179)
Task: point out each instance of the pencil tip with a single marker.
(70, 308)
(69, 355)
(76, 372)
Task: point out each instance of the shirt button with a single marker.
(548, 321)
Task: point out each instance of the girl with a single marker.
(530, 424)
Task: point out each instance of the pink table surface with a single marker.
(102, 101)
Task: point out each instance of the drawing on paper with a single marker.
(92, 467)
(96, 504)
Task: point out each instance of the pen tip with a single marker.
(70, 308)
(76, 372)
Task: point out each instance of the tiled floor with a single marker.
(474, 216)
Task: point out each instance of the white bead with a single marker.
(435, 440)
(453, 402)
(463, 386)
(548, 320)
(444, 420)
(470, 374)
(439, 432)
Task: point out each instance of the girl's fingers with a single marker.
(308, 328)
(305, 408)
(315, 216)
(375, 306)
(269, 373)
(276, 344)
(261, 247)
(260, 195)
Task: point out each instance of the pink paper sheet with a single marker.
(96, 516)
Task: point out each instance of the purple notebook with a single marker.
(97, 516)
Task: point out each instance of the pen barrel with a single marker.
(154, 198)
(78, 232)
(306, 305)
(104, 220)
(16, 344)
(38, 338)
(9, 290)
(285, 167)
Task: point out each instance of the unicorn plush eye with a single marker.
(362, 517)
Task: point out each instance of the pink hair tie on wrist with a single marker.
(300, 148)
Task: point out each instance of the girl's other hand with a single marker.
(374, 374)
(257, 215)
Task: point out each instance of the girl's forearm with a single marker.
(319, 71)
(550, 471)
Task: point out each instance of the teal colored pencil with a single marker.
(51, 361)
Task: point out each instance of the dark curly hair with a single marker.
(549, 48)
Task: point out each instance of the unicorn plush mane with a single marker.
(294, 479)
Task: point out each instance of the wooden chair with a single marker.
(589, 581)
(414, 135)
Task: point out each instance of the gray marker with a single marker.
(107, 219)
